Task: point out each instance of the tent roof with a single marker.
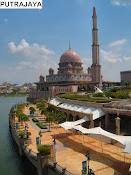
(97, 112)
(99, 130)
(70, 125)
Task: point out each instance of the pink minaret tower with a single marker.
(96, 67)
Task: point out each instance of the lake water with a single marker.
(11, 163)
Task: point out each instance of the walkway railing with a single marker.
(58, 167)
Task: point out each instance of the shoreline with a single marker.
(16, 95)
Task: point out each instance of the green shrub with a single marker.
(44, 149)
(34, 119)
(40, 125)
(98, 94)
(21, 134)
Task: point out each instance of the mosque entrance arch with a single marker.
(77, 118)
(70, 117)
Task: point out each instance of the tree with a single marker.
(43, 111)
(51, 108)
(32, 110)
(49, 118)
(60, 117)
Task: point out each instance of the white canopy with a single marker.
(70, 125)
(98, 90)
(125, 140)
(98, 130)
(55, 102)
(97, 112)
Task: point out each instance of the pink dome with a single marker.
(51, 69)
(89, 67)
(68, 73)
(42, 76)
(69, 66)
(70, 56)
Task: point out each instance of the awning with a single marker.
(98, 130)
(55, 102)
(70, 125)
(96, 112)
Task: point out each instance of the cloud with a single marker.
(127, 58)
(27, 50)
(117, 43)
(35, 60)
(121, 2)
(109, 57)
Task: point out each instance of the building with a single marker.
(125, 77)
(70, 76)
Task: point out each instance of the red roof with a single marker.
(42, 76)
(51, 69)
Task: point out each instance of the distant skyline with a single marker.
(32, 41)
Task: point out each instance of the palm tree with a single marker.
(49, 118)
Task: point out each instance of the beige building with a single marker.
(126, 77)
(70, 76)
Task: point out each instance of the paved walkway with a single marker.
(72, 147)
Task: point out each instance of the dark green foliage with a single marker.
(99, 97)
(44, 149)
(21, 134)
(49, 118)
(44, 111)
(118, 94)
(20, 114)
(21, 106)
(60, 117)
(40, 106)
(51, 108)
(32, 110)
(40, 125)
(34, 119)
(98, 94)
(39, 100)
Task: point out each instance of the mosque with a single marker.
(70, 76)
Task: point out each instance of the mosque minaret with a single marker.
(96, 67)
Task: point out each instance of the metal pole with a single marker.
(88, 166)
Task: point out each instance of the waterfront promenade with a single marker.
(72, 146)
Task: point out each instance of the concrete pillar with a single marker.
(91, 121)
(117, 125)
(55, 163)
(39, 164)
(63, 170)
(67, 118)
(106, 121)
(20, 147)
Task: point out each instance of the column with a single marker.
(67, 118)
(117, 125)
(91, 121)
(106, 121)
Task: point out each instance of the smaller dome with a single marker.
(51, 69)
(89, 67)
(41, 76)
(69, 66)
(68, 73)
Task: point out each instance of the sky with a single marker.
(32, 41)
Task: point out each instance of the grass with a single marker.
(40, 125)
(86, 98)
(34, 119)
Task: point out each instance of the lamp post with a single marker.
(40, 134)
(88, 159)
